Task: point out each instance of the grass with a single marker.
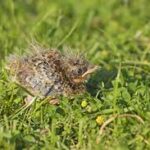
(114, 34)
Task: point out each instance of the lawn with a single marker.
(115, 111)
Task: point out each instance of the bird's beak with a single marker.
(89, 71)
(83, 76)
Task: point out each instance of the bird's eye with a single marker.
(79, 71)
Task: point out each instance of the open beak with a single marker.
(83, 77)
(89, 71)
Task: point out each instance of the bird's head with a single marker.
(78, 70)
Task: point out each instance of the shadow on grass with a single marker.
(101, 76)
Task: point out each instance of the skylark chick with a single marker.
(50, 73)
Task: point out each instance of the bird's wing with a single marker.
(38, 74)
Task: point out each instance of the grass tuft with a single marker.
(114, 35)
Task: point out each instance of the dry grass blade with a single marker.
(138, 118)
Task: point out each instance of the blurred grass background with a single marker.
(114, 34)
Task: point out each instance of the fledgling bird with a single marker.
(49, 72)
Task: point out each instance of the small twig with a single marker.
(118, 116)
(132, 116)
(106, 123)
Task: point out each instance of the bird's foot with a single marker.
(54, 101)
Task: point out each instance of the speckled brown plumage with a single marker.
(50, 72)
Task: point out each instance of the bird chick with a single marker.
(50, 72)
